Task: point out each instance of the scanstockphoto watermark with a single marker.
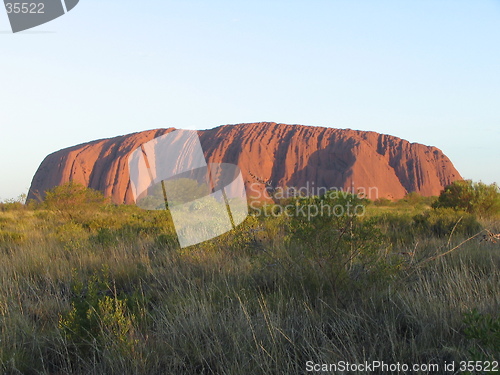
(325, 202)
(205, 200)
(310, 189)
(311, 210)
(372, 366)
(24, 15)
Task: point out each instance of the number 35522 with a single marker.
(25, 8)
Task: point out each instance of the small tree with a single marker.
(73, 196)
(473, 197)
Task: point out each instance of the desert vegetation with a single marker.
(88, 287)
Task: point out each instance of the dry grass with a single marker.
(246, 303)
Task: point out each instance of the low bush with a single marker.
(472, 197)
(484, 331)
(443, 222)
(11, 237)
(100, 319)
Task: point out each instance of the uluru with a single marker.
(267, 153)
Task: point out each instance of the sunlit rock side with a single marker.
(279, 155)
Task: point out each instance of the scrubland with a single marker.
(87, 287)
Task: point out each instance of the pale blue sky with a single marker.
(426, 71)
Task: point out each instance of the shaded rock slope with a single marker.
(279, 154)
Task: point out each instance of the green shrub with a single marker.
(381, 202)
(73, 196)
(414, 199)
(71, 235)
(484, 331)
(11, 237)
(13, 206)
(99, 318)
(323, 217)
(105, 237)
(443, 221)
(16, 204)
(472, 197)
(341, 252)
(166, 240)
(399, 228)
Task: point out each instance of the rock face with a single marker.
(381, 166)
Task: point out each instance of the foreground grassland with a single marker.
(100, 289)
